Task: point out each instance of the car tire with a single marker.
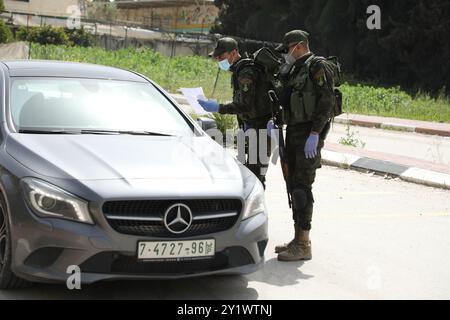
(8, 280)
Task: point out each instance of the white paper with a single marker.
(191, 95)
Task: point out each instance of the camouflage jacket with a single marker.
(250, 93)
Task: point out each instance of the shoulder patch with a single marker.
(319, 77)
(245, 83)
(319, 74)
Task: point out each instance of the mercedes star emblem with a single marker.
(178, 218)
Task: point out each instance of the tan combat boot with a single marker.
(299, 250)
(286, 246)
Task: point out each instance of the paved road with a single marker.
(431, 148)
(373, 238)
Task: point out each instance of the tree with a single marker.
(411, 49)
(233, 16)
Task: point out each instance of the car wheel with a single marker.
(8, 280)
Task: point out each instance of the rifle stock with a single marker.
(281, 144)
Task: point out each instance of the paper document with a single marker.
(191, 95)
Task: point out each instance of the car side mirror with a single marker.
(206, 123)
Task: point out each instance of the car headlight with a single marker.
(255, 202)
(47, 200)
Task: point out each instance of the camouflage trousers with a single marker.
(256, 156)
(259, 168)
(302, 172)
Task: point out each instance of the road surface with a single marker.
(372, 239)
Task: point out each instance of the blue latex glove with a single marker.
(209, 105)
(311, 146)
(270, 127)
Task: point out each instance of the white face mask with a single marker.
(289, 58)
(224, 65)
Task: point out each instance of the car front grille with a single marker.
(145, 217)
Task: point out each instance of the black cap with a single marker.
(292, 37)
(224, 45)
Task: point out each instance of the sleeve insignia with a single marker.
(245, 84)
(320, 78)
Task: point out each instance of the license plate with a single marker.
(157, 250)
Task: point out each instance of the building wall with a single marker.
(184, 18)
(43, 7)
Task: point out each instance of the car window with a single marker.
(61, 103)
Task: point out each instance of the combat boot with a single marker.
(300, 249)
(286, 246)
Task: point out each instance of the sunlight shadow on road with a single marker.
(280, 274)
(212, 287)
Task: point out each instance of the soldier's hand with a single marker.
(311, 146)
(270, 127)
(209, 105)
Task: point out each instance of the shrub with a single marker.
(48, 35)
(5, 32)
(224, 122)
(79, 37)
(22, 34)
(54, 35)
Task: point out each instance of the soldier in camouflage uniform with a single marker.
(309, 101)
(250, 102)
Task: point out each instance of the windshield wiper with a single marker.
(94, 131)
(57, 131)
(146, 133)
(140, 133)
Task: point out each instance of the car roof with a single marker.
(47, 68)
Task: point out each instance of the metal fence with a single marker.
(118, 35)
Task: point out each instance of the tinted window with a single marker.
(54, 103)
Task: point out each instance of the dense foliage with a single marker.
(5, 32)
(55, 35)
(411, 49)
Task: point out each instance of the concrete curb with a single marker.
(424, 127)
(406, 173)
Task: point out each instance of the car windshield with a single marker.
(92, 105)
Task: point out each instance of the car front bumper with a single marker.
(44, 249)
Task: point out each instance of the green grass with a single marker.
(171, 74)
(194, 71)
(393, 102)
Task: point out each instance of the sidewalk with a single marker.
(414, 168)
(406, 168)
(424, 127)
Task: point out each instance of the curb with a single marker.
(406, 173)
(391, 124)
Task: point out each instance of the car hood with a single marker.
(126, 157)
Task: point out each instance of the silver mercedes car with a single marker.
(102, 172)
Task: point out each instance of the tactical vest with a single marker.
(303, 97)
(261, 108)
